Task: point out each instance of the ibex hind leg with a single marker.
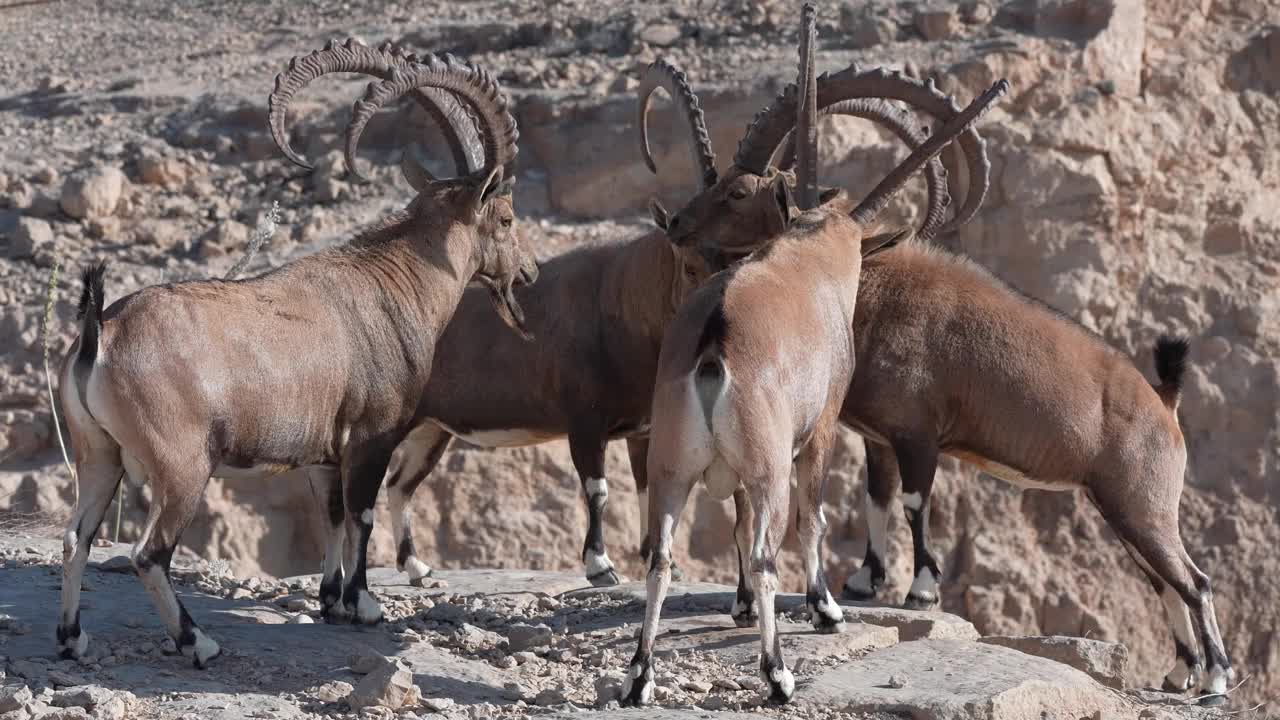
(744, 603)
(98, 475)
(811, 527)
(665, 509)
(638, 452)
(422, 452)
(1154, 538)
(769, 499)
(171, 512)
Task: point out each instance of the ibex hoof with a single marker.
(781, 685)
(743, 614)
(604, 578)
(676, 573)
(202, 651)
(365, 610)
(920, 602)
(637, 687)
(1213, 701)
(73, 648)
(418, 572)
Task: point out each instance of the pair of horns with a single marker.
(457, 95)
(853, 92)
(923, 152)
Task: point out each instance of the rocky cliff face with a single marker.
(1134, 188)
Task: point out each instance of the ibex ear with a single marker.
(418, 177)
(492, 185)
(879, 243)
(659, 214)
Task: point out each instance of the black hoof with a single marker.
(746, 620)
(1213, 701)
(204, 664)
(826, 626)
(604, 578)
(920, 602)
(637, 689)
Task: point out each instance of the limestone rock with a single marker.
(29, 235)
(387, 686)
(154, 169)
(521, 637)
(226, 237)
(1103, 661)
(92, 193)
(938, 23)
(961, 680)
(14, 698)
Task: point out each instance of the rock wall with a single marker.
(1135, 171)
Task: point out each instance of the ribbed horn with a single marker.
(472, 83)
(662, 74)
(879, 198)
(765, 133)
(902, 125)
(806, 118)
(354, 57)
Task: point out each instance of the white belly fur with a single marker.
(516, 437)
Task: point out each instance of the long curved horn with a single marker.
(770, 126)
(806, 132)
(902, 125)
(662, 74)
(471, 83)
(354, 57)
(879, 197)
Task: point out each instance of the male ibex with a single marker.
(319, 362)
(592, 378)
(598, 314)
(751, 376)
(952, 361)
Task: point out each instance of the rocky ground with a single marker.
(511, 643)
(1133, 183)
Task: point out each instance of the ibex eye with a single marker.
(738, 194)
(506, 222)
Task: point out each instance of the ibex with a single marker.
(317, 363)
(952, 361)
(751, 377)
(598, 314)
(592, 378)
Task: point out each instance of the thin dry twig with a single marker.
(48, 377)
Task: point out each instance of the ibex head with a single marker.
(740, 211)
(459, 97)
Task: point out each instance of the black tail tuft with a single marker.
(1171, 363)
(90, 316)
(91, 295)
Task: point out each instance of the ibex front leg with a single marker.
(882, 484)
(362, 474)
(326, 488)
(587, 448)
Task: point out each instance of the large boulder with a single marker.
(92, 193)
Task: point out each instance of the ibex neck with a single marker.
(645, 273)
